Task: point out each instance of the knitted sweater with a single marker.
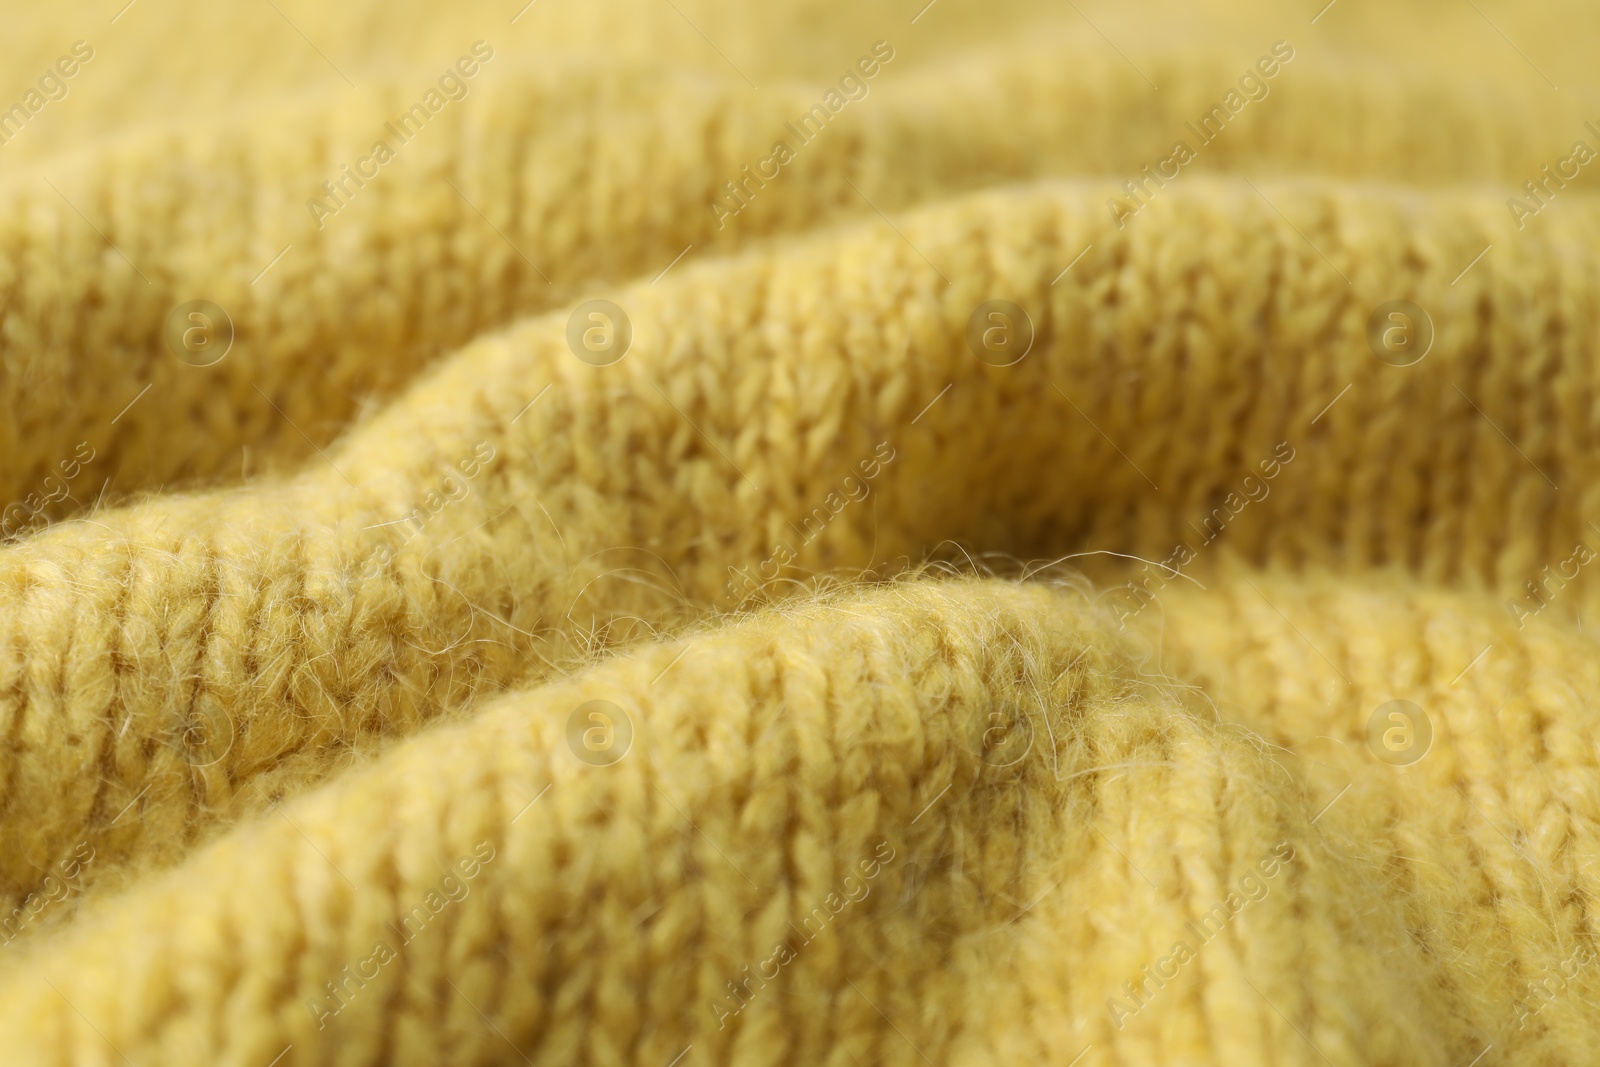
(685, 533)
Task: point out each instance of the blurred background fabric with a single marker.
(668, 532)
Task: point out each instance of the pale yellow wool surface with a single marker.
(287, 781)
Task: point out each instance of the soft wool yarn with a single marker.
(1210, 684)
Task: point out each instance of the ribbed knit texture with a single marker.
(800, 688)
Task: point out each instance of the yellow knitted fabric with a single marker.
(675, 533)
